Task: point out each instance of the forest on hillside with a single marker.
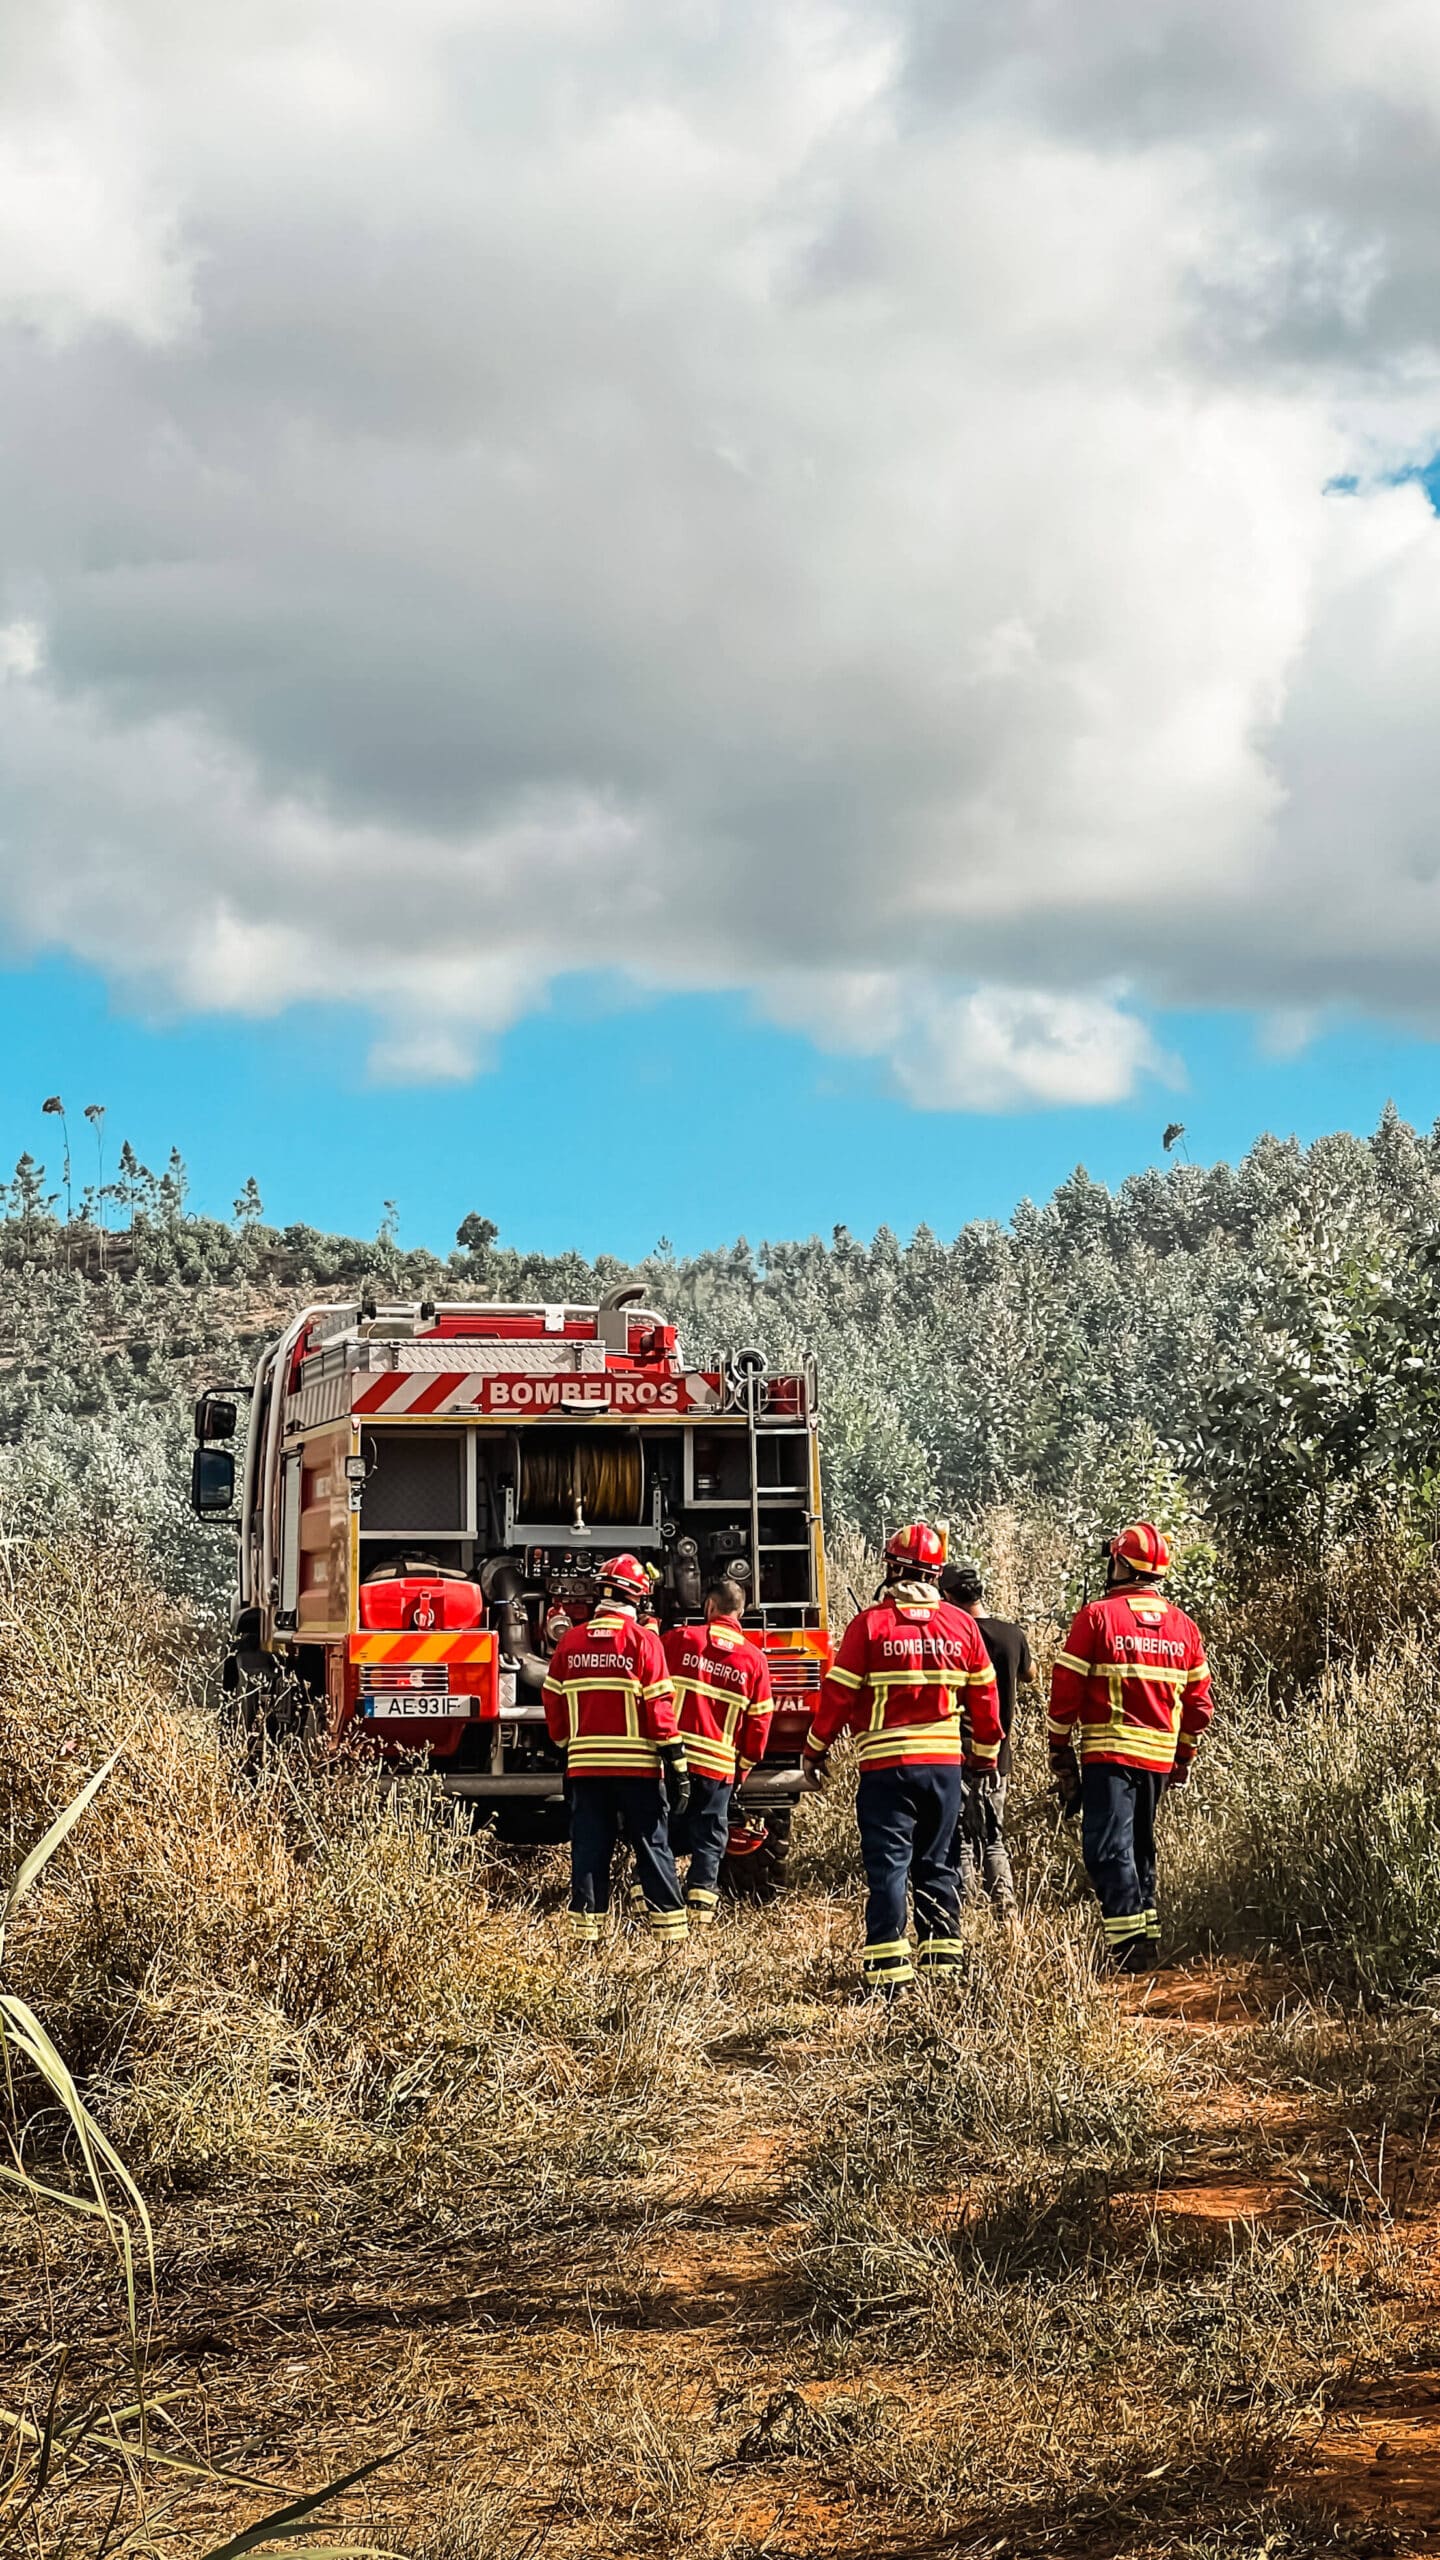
(1247, 1351)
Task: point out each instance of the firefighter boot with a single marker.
(1127, 1943)
(886, 1969)
(936, 1957)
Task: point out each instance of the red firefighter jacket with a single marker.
(608, 1702)
(722, 1695)
(1131, 1685)
(903, 1672)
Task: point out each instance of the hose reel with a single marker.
(589, 1480)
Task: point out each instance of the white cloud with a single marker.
(87, 208)
(1002, 1048)
(838, 492)
(954, 1048)
(22, 650)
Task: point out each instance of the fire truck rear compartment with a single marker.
(530, 1513)
(557, 1501)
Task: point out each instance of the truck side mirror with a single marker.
(216, 1417)
(212, 1481)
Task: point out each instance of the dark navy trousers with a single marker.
(601, 1809)
(907, 1817)
(702, 1833)
(1117, 1839)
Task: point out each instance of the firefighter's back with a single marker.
(1135, 1652)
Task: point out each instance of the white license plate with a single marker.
(414, 1709)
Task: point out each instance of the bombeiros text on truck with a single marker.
(426, 1493)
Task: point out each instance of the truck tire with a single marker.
(275, 1713)
(758, 1874)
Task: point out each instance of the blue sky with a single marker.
(605, 1127)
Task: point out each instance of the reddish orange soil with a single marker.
(1376, 2462)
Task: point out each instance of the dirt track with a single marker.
(575, 2381)
(1377, 2460)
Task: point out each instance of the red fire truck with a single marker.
(425, 1495)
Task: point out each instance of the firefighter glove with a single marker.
(675, 1769)
(814, 1772)
(1179, 1775)
(1065, 1770)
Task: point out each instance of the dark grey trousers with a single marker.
(983, 1858)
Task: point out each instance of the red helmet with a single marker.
(1142, 1547)
(627, 1575)
(920, 1546)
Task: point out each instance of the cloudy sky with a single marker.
(872, 557)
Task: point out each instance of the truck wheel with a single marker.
(756, 1873)
(266, 1717)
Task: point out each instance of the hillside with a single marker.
(1247, 1350)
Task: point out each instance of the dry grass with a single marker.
(1316, 1829)
(983, 2207)
(659, 2254)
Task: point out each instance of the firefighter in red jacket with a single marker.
(722, 1701)
(610, 1709)
(1129, 1700)
(905, 1671)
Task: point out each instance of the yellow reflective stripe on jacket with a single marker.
(611, 1682)
(720, 1747)
(612, 1751)
(1146, 1742)
(882, 1683)
(845, 1679)
(714, 1759)
(1163, 1672)
(924, 1675)
(734, 1707)
(937, 1741)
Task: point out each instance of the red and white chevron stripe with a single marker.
(406, 1391)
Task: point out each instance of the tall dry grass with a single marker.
(1312, 1829)
(330, 2027)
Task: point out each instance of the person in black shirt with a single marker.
(980, 1840)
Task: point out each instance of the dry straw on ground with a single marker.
(645, 2256)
